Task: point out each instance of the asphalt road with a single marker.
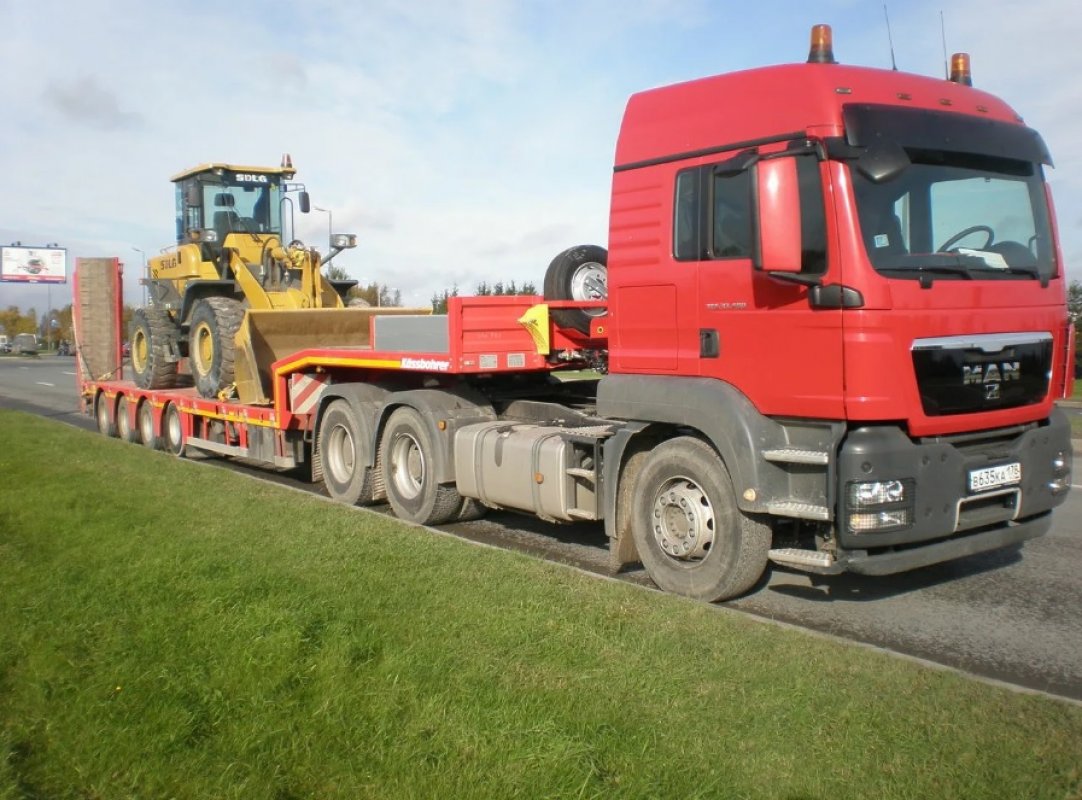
(1010, 616)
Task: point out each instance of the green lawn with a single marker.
(170, 630)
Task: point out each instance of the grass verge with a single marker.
(172, 631)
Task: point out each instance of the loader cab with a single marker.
(216, 200)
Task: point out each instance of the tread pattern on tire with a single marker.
(160, 332)
(226, 314)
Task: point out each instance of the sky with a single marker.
(461, 141)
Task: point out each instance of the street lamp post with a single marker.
(145, 276)
(330, 226)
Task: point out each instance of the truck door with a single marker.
(760, 332)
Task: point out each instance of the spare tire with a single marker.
(578, 273)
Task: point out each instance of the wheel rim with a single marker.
(123, 429)
(173, 430)
(682, 521)
(140, 351)
(341, 454)
(203, 349)
(590, 282)
(407, 465)
(146, 423)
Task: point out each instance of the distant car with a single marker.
(5, 347)
(64, 349)
(126, 349)
(26, 344)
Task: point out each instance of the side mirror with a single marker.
(777, 204)
(304, 202)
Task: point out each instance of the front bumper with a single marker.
(947, 519)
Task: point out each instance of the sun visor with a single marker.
(923, 129)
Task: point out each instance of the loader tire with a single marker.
(211, 346)
(153, 348)
(578, 273)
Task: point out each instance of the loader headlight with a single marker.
(199, 235)
(344, 241)
(879, 506)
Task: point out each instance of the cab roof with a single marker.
(285, 172)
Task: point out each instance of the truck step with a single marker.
(793, 508)
(812, 560)
(796, 455)
(584, 474)
(579, 513)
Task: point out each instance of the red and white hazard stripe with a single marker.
(305, 391)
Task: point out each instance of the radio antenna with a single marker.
(943, 33)
(890, 39)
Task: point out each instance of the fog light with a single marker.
(880, 521)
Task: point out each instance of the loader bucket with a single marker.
(268, 335)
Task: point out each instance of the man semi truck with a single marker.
(830, 328)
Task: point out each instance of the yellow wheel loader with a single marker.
(218, 296)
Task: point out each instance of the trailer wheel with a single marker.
(345, 475)
(578, 273)
(211, 345)
(173, 430)
(104, 416)
(690, 534)
(125, 429)
(144, 418)
(409, 461)
(152, 334)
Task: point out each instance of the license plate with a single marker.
(981, 480)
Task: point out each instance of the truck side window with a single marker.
(732, 216)
(687, 213)
(813, 226)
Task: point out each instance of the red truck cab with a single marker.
(849, 280)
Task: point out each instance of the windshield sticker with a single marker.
(882, 240)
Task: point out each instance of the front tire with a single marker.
(691, 536)
(153, 344)
(211, 343)
(409, 471)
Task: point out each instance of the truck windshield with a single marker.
(957, 216)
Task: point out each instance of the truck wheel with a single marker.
(211, 345)
(345, 475)
(104, 416)
(578, 273)
(690, 534)
(173, 430)
(144, 417)
(152, 334)
(125, 429)
(409, 461)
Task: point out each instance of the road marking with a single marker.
(43, 383)
(69, 373)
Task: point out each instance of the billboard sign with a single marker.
(34, 264)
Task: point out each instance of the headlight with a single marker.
(880, 506)
(875, 493)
